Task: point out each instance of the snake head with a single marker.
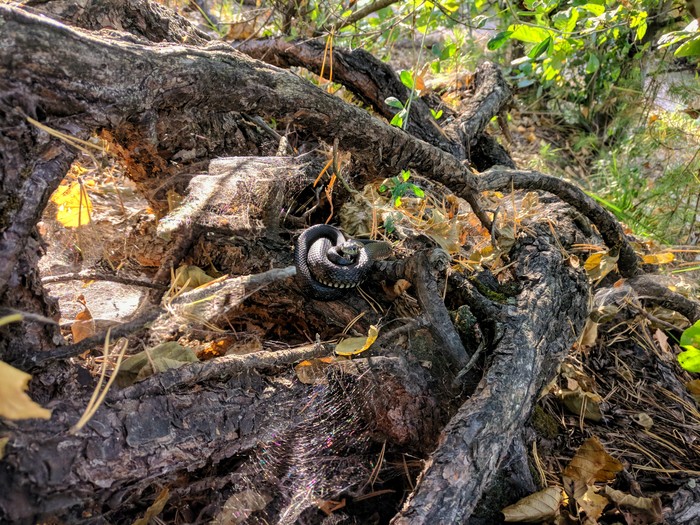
(350, 249)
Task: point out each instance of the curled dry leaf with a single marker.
(590, 464)
(14, 401)
(644, 420)
(537, 507)
(582, 403)
(694, 389)
(628, 500)
(658, 258)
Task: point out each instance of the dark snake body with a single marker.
(328, 265)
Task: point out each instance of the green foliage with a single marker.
(400, 186)
(690, 342)
(649, 179)
(581, 49)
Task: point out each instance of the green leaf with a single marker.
(596, 9)
(690, 359)
(540, 48)
(405, 175)
(418, 192)
(593, 64)
(691, 336)
(498, 40)
(393, 102)
(691, 48)
(397, 202)
(382, 188)
(398, 119)
(436, 114)
(406, 77)
(531, 34)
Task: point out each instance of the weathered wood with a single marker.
(534, 343)
(160, 429)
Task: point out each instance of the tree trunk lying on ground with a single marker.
(245, 425)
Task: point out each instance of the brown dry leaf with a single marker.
(628, 500)
(155, 509)
(313, 371)
(694, 389)
(593, 504)
(659, 258)
(540, 506)
(14, 401)
(84, 325)
(582, 403)
(600, 264)
(662, 339)
(591, 463)
(240, 506)
(589, 335)
(3, 443)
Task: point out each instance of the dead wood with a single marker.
(163, 428)
(476, 440)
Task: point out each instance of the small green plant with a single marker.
(400, 186)
(690, 342)
(400, 120)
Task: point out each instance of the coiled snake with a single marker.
(328, 265)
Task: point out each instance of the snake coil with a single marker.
(328, 265)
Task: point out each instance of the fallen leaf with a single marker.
(14, 401)
(357, 345)
(191, 277)
(589, 335)
(158, 359)
(659, 258)
(590, 463)
(593, 504)
(313, 371)
(600, 264)
(628, 500)
(156, 508)
(694, 389)
(582, 403)
(74, 205)
(83, 326)
(537, 507)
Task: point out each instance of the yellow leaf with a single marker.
(14, 402)
(536, 507)
(658, 258)
(155, 509)
(74, 205)
(598, 265)
(357, 345)
(191, 276)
